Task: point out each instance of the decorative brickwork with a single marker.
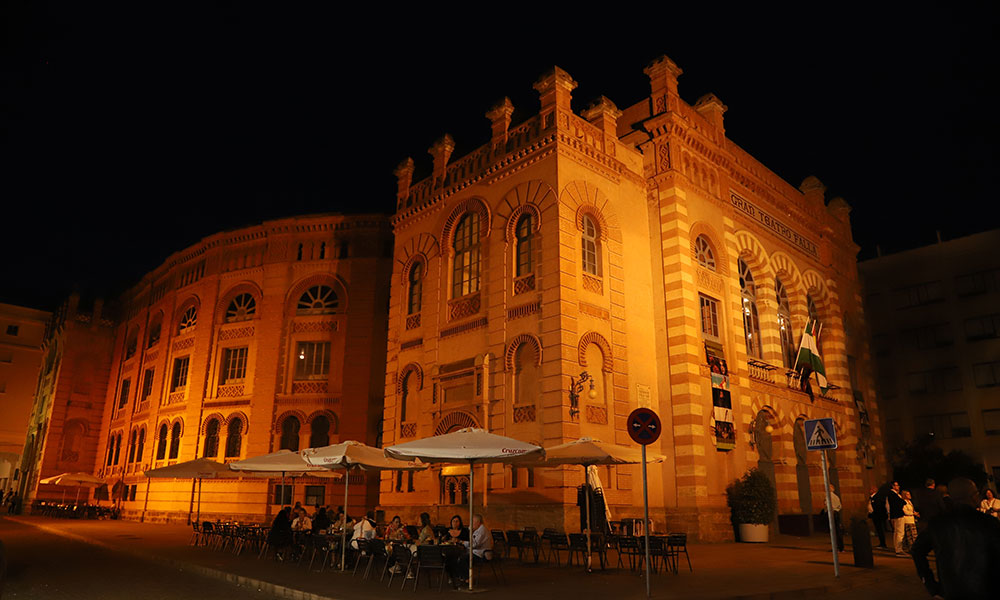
(230, 391)
(524, 284)
(235, 334)
(151, 356)
(592, 284)
(524, 414)
(175, 397)
(413, 321)
(411, 343)
(477, 324)
(594, 311)
(314, 326)
(183, 344)
(408, 430)
(309, 387)
(597, 414)
(466, 306)
(523, 311)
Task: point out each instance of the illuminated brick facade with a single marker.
(613, 242)
(252, 340)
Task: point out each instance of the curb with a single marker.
(274, 589)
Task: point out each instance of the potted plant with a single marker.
(753, 502)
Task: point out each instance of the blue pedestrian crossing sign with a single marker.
(820, 434)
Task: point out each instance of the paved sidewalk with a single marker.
(789, 567)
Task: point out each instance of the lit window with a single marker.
(312, 360)
(591, 247)
(180, 378)
(234, 438)
(785, 326)
(242, 308)
(525, 233)
(318, 300)
(751, 319)
(465, 271)
(188, 320)
(211, 438)
(416, 288)
(709, 317)
(703, 253)
(234, 365)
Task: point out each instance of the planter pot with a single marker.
(753, 533)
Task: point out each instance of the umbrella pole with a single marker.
(191, 506)
(343, 530)
(145, 501)
(471, 488)
(63, 501)
(199, 500)
(77, 499)
(586, 496)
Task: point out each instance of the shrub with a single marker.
(752, 498)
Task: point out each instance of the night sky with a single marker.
(130, 132)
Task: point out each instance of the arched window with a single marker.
(465, 271)
(319, 434)
(785, 326)
(751, 319)
(525, 235)
(404, 397)
(234, 438)
(595, 363)
(703, 252)
(131, 343)
(591, 247)
(175, 440)
(416, 288)
(189, 319)
(111, 451)
(318, 300)
(141, 445)
(242, 308)
(155, 327)
(131, 446)
(73, 434)
(290, 434)
(161, 449)
(811, 307)
(526, 375)
(118, 447)
(211, 438)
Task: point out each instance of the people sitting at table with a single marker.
(365, 529)
(280, 536)
(426, 535)
(395, 532)
(321, 522)
(341, 519)
(482, 549)
(301, 521)
(457, 532)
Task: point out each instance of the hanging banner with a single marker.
(722, 403)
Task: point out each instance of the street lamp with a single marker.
(575, 387)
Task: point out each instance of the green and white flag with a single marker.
(809, 361)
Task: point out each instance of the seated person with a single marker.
(426, 530)
(321, 522)
(302, 522)
(482, 549)
(280, 535)
(395, 532)
(365, 529)
(457, 532)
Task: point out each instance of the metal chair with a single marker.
(676, 544)
(557, 543)
(430, 558)
(499, 540)
(531, 541)
(403, 559)
(577, 545)
(514, 541)
(628, 546)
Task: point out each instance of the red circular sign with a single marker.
(643, 426)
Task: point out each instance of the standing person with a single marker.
(894, 503)
(836, 506)
(877, 514)
(909, 521)
(928, 503)
(966, 546)
(990, 504)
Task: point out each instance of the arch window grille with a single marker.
(456, 490)
(318, 300)
(525, 238)
(591, 247)
(242, 308)
(140, 445)
(415, 295)
(175, 441)
(703, 253)
(290, 434)
(118, 447)
(161, 449)
(465, 271)
(131, 446)
(189, 318)
(319, 434)
(785, 326)
(234, 438)
(111, 451)
(211, 438)
(751, 318)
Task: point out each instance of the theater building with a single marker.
(622, 248)
(250, 341)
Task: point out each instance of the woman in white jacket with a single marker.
(990, 505)
(909, 522)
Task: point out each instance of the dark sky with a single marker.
(130, 132)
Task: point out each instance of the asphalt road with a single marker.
(43, 566)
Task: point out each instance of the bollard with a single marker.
(861, 541)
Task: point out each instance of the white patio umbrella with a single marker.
(78, 480)
(197, 469)
(353, 455)
(471, 446)
(588, 452)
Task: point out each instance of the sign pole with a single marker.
(829, 515)
(645, 514)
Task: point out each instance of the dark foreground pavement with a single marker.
(119, 559)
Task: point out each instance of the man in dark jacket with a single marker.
(894, 502)
(878, 515)
(966, 545)
(928, 502)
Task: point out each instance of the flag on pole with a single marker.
(809, 362)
